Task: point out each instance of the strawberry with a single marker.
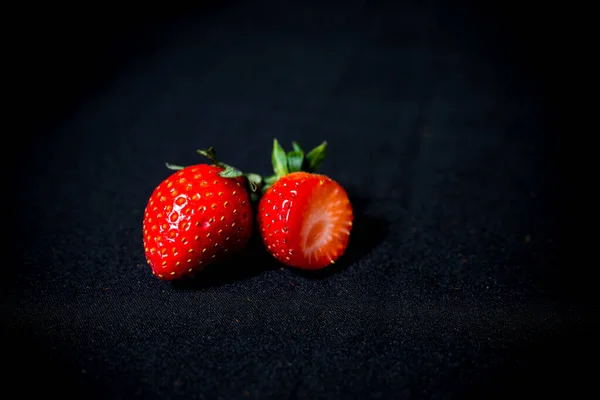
(304, 218)
(197, 216)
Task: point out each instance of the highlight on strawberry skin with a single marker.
(304, 218)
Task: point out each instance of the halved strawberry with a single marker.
(304, 218)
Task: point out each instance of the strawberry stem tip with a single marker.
(297, 160)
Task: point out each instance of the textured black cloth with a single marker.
(442, 126)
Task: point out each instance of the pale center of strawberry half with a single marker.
(327, 222)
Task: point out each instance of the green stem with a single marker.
(211, 154)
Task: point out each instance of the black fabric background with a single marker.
(443, 123)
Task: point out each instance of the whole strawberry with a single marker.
(197, 216)
(304, 218)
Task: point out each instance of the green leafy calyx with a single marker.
(295, 160)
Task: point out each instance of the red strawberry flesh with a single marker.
(306, 220)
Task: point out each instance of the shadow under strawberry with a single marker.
(252, 261)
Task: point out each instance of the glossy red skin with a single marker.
(193, 219)
(282, 212)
